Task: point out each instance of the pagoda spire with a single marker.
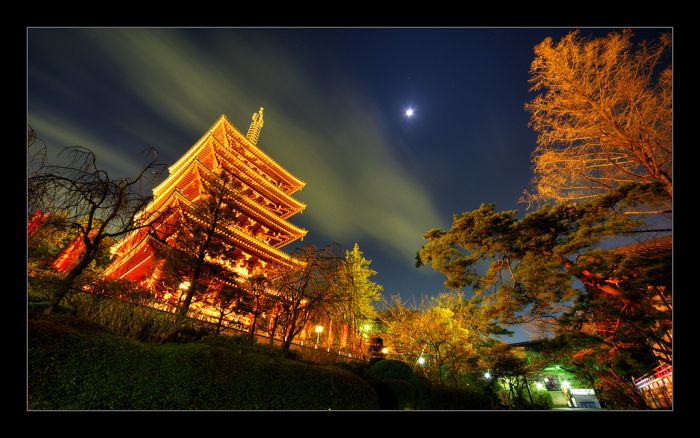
(255, 127)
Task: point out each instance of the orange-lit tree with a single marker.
(533, 262)
(97, 208)
(304, 291)
(603, 117)
(257, 302)
(226, 301)
(447, 331)
(195, 249)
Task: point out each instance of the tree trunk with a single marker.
(67, 284)
(218, 324)
(190, 292)
(255, 321)
(273, 331)
(528, 389)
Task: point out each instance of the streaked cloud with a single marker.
(59, 133)
(329, 135)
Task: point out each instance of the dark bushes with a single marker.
(73, 369)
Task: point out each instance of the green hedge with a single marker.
(390, 369)
(74, 365)
(445, 398)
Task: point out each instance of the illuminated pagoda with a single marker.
(264, 203)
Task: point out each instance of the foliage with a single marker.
(535, 260)
(304, 290)
(194, 241)
(511, 367)
(256, 301)
(398, 388)
(41, 284)
(76, 367)
(355, 293)
(449, 398)
(609, 374)
(604, 118)
(225, 302)
(52, 237)
(126, 318)
(447, 331)
(96, 207)
(390, 369)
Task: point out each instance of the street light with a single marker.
(421, 361)
(487, 375)
(319, 329)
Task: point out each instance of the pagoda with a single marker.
(263, 198)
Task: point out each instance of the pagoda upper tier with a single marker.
(264, 202)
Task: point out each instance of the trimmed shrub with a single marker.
(445, 398)
(404, 392)
(390, 369)
(70, 368)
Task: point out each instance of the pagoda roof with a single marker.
(218, 131)
(263, 185)
(245, 241)
(662, 245)
(259, 212)
(241, 239)
(257, 181)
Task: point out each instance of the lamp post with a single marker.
(421, 359)
(182, 287)
(319, 329)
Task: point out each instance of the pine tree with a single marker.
(355, 293)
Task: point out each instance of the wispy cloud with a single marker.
(331, 135)
(59, 133)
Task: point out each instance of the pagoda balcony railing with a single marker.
(658, 374)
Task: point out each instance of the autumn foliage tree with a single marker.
(603, 116)
(532, 264)
(446, 330)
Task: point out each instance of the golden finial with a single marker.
(254, 131)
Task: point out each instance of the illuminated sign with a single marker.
(579, 391)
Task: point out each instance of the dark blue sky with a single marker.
(334, 102)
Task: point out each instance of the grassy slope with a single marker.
(74, 364)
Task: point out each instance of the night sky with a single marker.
(334, 104)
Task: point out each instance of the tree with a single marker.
(447, 331)
(51, 237)
(604, 119)
(195, 246)
(534, 261)
(256, 301)
(96, 207)
(510, 365)
(355, 292)
(592, 362)
(226, 300)
(304, 291)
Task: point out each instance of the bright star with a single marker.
(409, 112)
